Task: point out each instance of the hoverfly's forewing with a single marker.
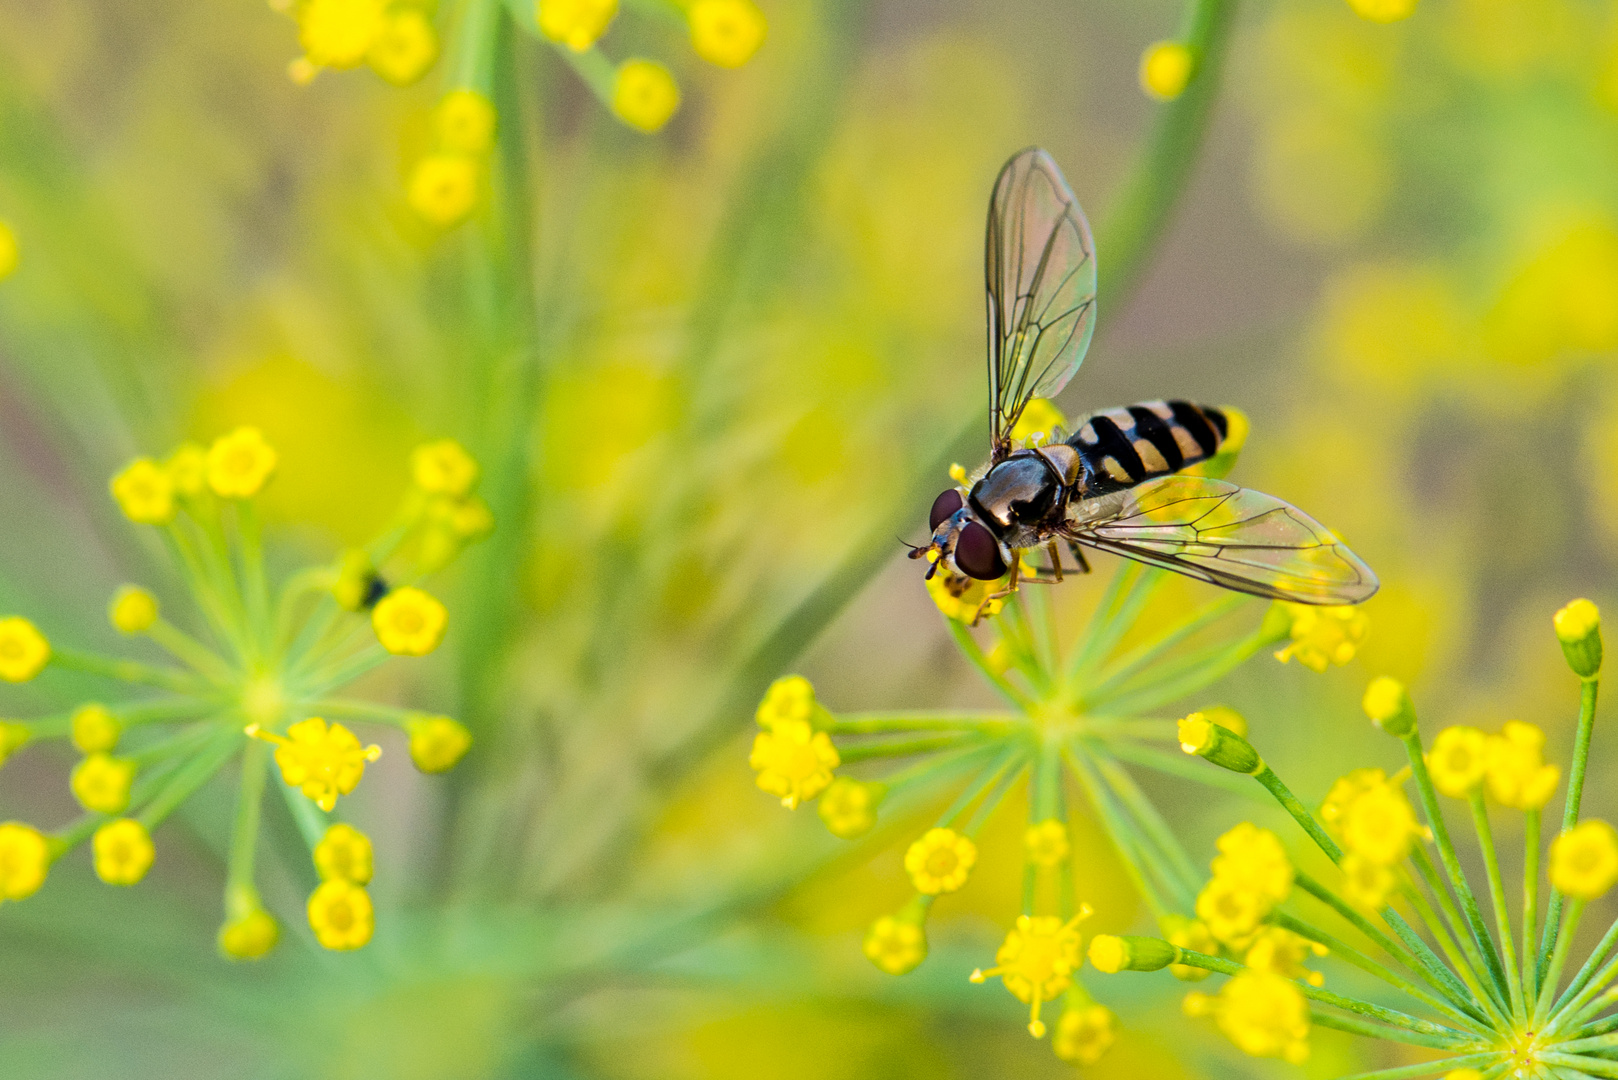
(1232, 537)
(1040, 269)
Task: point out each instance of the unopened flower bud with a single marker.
(1111, 954)
(1388, 705)
(1578, 628)
(1220, 745)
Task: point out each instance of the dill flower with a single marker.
(24, 652)
(1383, 11)
(9, 252)
(793, 761)
(1578, 628)
(578, 24)
(1443, 943)
(1046, 843)
(133, 610)
(896, 943)
(1166, 68)
(1037, 960)
(848, 806)
(1253, 858)
(341, 915)
(726, 33)
(443, 467)
(1084, 1033)
(404, 48)
(444, 189)
(144, 491)
(254, 685)
(940, 861)
(964, 599)
(644, 95)
(1322, 636)
(339, 33)
(123, 851)
(464, 123)
(25, 858)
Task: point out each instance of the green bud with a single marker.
(1112, 954)
(1388, 705)
(1578, 628)
(1220, 745)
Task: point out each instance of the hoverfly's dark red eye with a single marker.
(944, 508)
(977, 554)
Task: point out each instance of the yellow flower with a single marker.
(133, 610)
(1383, 11)
(1283, 953)
(437, 742)
(240, 463)
(1344, 792)
(24, 651)
(322, 762)
(1038, 424)
(123, 851)
(848, 808)
(339, 33)
(1457, 761)
(13, 737)
(1254, 859)
(1231, 912)
(94, 728)
(940, 861)
(1463, 1074)
(341, 916)
(1380, 824)
(1367, 883)
(404, 48)
(578, 24)
(409, 622)
(101, 783)
(962, 598)
(188, 470)
(896, 944)
(443, 467)
(1190, 934)
(1165, 69)
(464, 122)
(145, 492)
(789, 699)
(1037, 960)
(8, 251)
(1323, 636)
(1084, 1033)
(726, 32)
(1264, 1014)
(1578, 628)
(443, 189)
(1388, 705)
(1584, 860)
(344, 854)
(249, 935)
(1046, 843)
(793, 761)
(644, 94)
(1516, 772)
(25, 859)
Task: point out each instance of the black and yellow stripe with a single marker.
(1124, 447)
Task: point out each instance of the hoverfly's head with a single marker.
(963, 544)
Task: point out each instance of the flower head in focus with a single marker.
(264, 669)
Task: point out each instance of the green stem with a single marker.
(1174, 763)
(1151, 822)
(249, 805)
(866, 751)
(363, 710)
(1142, 655)
(1570, 809)
(1497, 896)
(977, 787)
(1108, 628)
(1098, 639)
(1564, 944)
(1463, 955)
(310, 819)
(188, 650)
(1452, 865)
(1426, 1068)
(1591, 1066)
(188, 778)
(922, 720)
(992, 801)
(129, 671)
(975, 654)
(1183, 677)
(1530, 902)
(1300, 813)
(1129, 846)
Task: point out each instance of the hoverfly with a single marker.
(1116, 484)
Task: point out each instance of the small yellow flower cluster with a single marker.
(1510, 765)
(1584, 860)
(578, 24)
(848, 806)
(897, 943)
(321, 761)
(396, 39)
(24, 652)
(793, 760)
(726, 33)
(940, 861)
(235, 467)
(644, 94)
(1322, 636)
(445, 185)
(1263, 1013)
(965, 599)
(1251, 875)
(1372, 817)
(1084, 1033)
(1037, 960)
(1166, 68)
(339, 909)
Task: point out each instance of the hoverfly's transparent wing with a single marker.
(1040, 269)
(1239, 539)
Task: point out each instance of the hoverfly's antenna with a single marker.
(933, 569)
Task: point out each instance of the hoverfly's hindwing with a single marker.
(1124, 447)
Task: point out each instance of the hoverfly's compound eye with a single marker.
(977, 554)
(944, 508)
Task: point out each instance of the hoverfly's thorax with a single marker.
(1023, 489)
(1065, 460)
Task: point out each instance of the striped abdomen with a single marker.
(1123, 447)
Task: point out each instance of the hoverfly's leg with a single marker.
(1011, 587)
(1077, 552)
(1056, 560)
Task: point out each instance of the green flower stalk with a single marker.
(254, 685)
(1496, 999)
(1076, 719)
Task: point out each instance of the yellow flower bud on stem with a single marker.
(1220, 745)
(1112, 954)
(1578, 628)
(1388, 705)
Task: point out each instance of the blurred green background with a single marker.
(708, 373)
